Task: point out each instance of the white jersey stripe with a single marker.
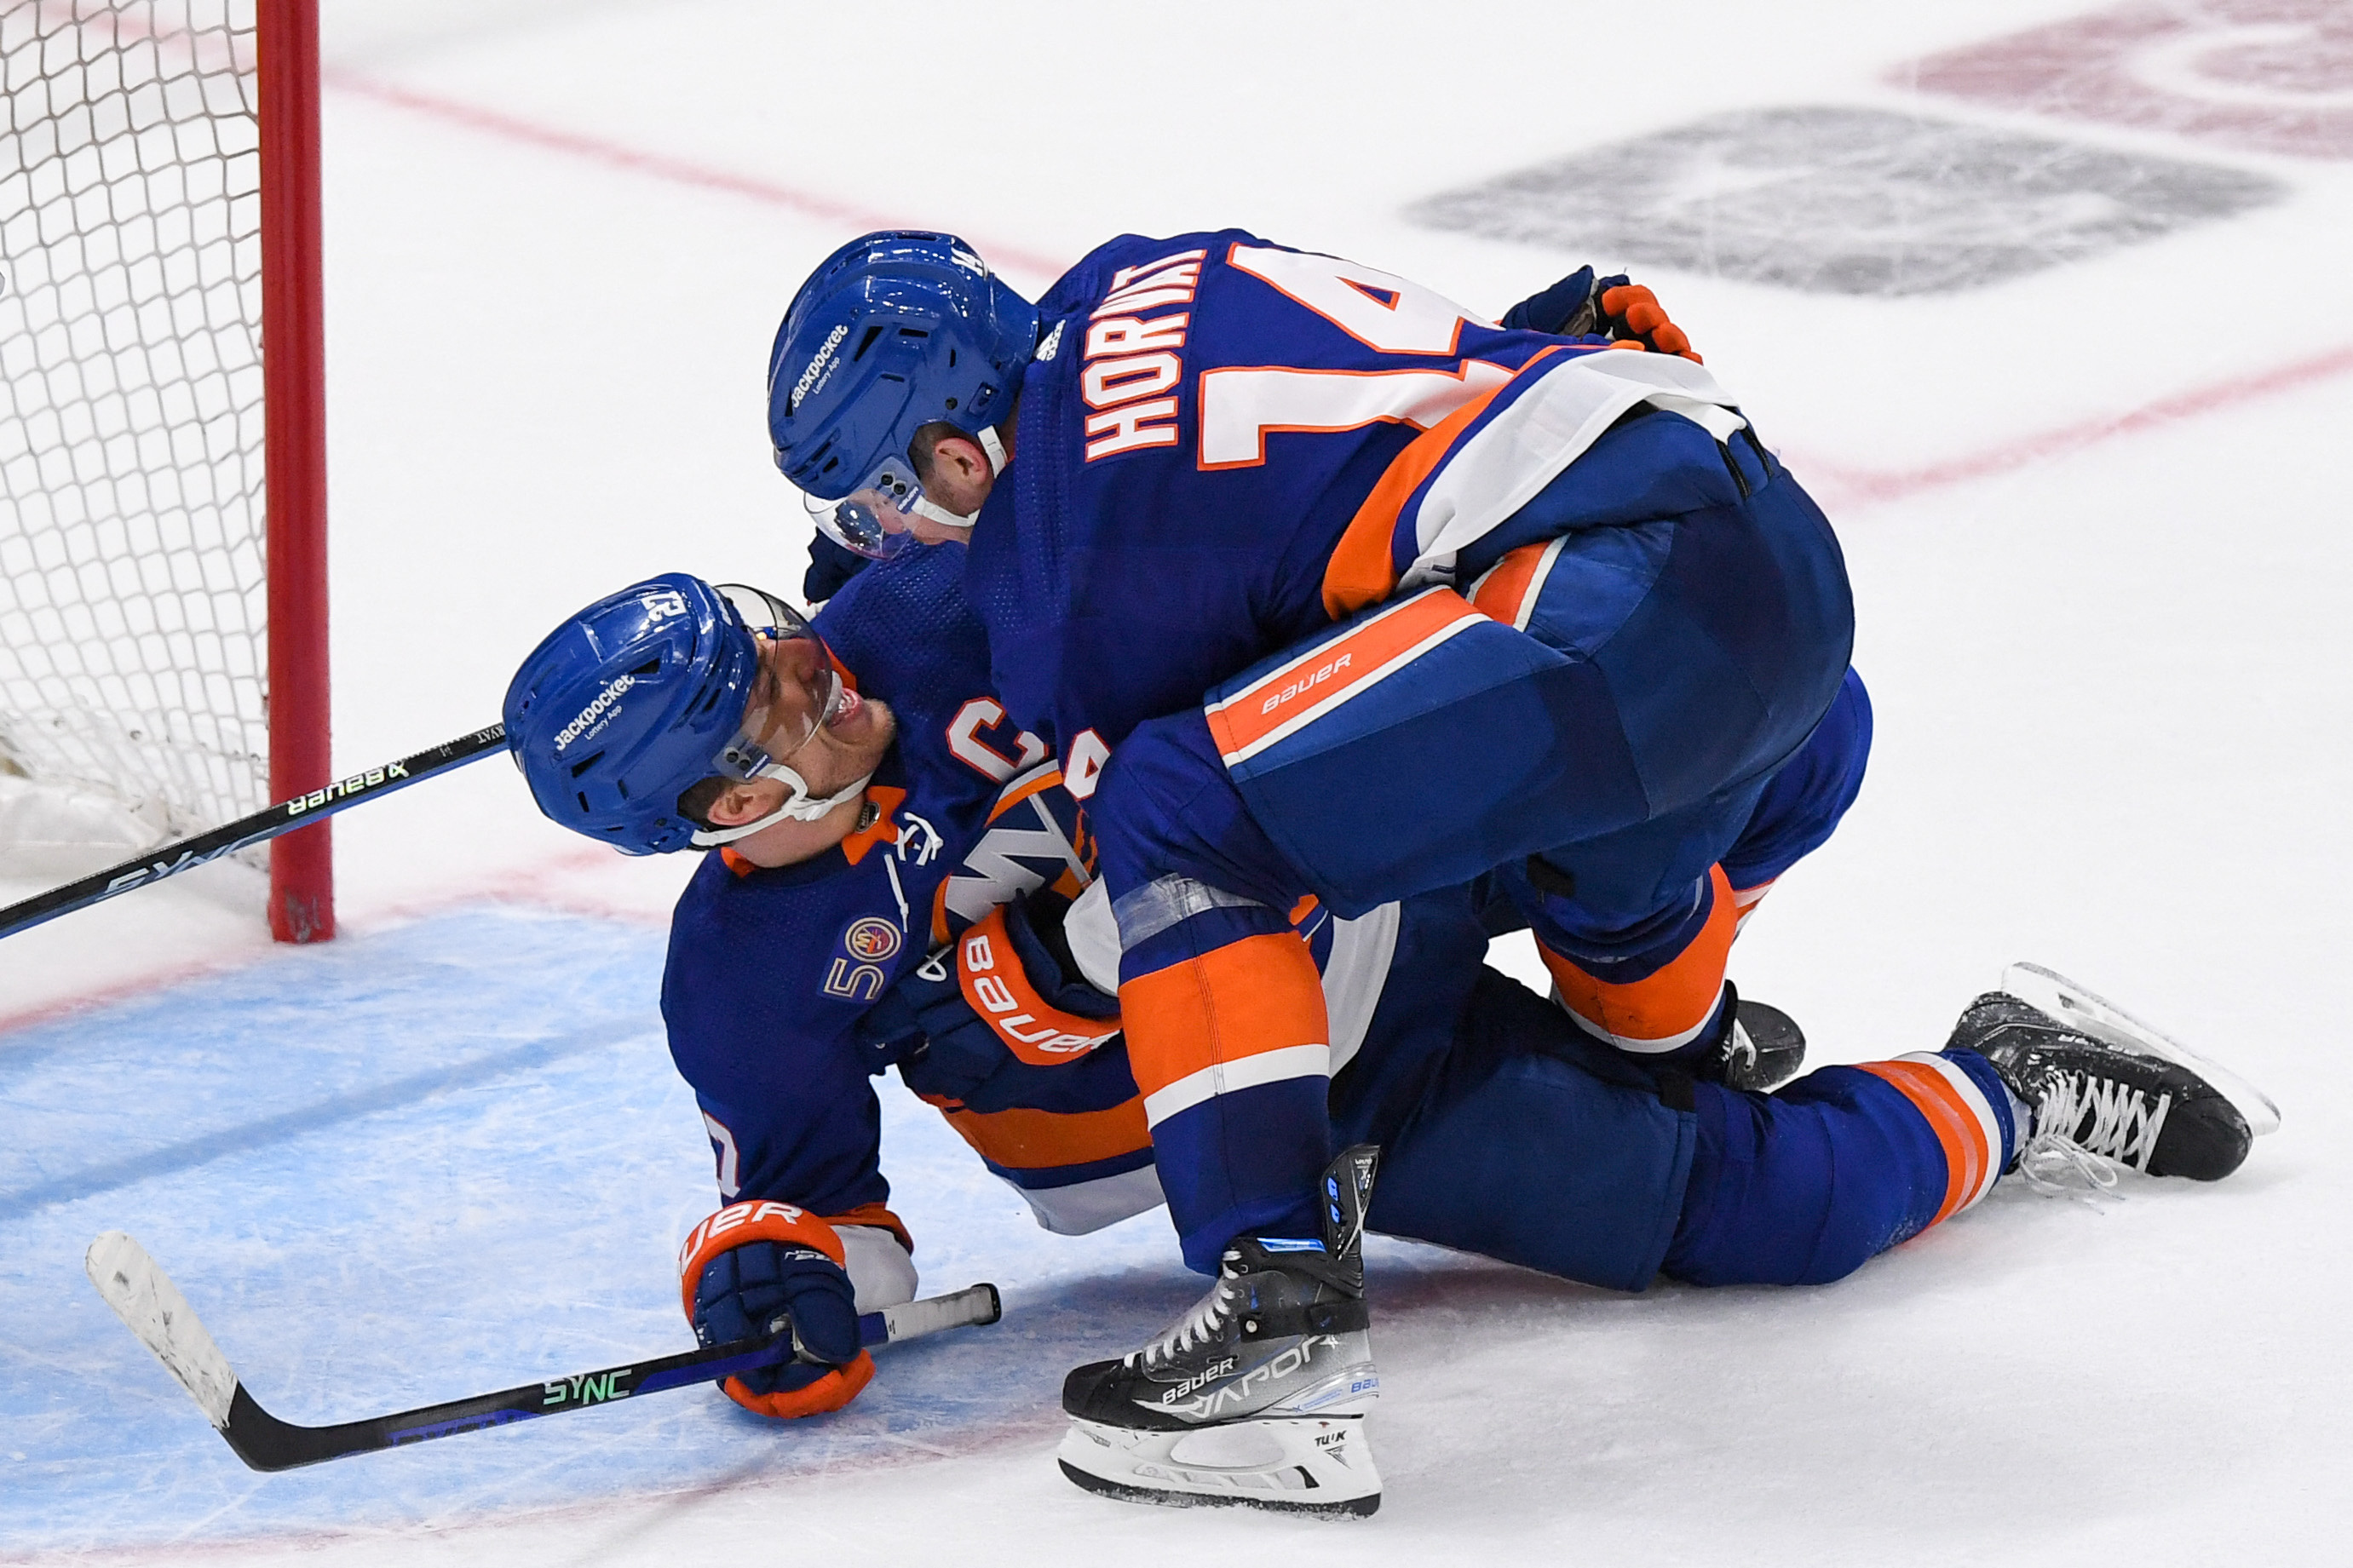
(1965, 1089)
(1247, 1072)
(1550, 426)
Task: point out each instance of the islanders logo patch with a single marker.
(872, 939)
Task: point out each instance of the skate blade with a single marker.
(1304, 1466)
(2084, 1008)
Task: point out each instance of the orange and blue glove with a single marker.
(1633, 314)
(754, 1268)
(1581, 305)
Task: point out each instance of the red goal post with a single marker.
(162, 474)
(294, 399)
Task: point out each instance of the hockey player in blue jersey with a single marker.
(1463, 598)
(866, 802)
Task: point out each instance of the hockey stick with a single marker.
(171, 859)
(151, 1307)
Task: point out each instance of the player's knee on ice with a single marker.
(1805, 1185)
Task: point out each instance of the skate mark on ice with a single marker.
(262, 1131)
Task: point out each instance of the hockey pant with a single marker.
(1621, 701)
(1523, 1139)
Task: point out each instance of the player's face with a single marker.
(827, 733)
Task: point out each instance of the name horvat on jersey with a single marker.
(1132, 360)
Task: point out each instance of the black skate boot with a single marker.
(1757, 1047)
(2085, 1097)
(1257, 1395)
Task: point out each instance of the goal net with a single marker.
(135, 548)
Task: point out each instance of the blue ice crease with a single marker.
(433, 1162)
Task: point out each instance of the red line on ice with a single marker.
(658, 165)
(1864, 485)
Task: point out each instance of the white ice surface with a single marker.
(2113, 702)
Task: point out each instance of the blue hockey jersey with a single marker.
(1225, 445)
(770, 969)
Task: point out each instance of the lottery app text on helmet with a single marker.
(649, 691)
(893, 332)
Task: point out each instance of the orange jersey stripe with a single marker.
(1953, 1121)
(1021, 1140)
(1023, 790)
(1313, 682)
(1362, 570)
(1260, 994)
(1502, 593)
(1665, 1009)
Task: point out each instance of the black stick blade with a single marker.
(151, 1307)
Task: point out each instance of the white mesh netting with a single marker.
(132, 573)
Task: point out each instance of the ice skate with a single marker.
(1758, 1047)
(2091, 1102)
(1257, 1395)
(2080, 1007)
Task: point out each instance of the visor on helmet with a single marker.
(798, 691)
(877, 518)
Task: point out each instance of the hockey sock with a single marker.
(1804, 1186)
(1652, 991)
(1229, 1044)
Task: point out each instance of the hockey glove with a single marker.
(1581, 304)
(1566, 310)
(1009, 985)
(752, 1268)
(1633, 314)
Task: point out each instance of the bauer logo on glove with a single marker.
(759, 1268)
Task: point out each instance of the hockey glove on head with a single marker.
(750, 1267)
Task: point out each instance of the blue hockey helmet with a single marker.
(648, 691)
(893, 332)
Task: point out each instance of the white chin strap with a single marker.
(799, 807)
(941, 515)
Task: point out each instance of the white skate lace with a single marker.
(2064, 1153)
(1204, 1322)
